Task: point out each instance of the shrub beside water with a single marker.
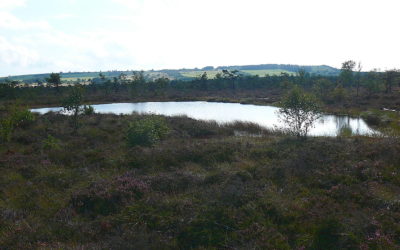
(88, 110)
(147, 131)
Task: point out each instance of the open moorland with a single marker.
(104, 181)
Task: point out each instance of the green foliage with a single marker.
(322, 88)
(74, 100)
(51, 143)
(88, 110)
(7, 89)
(345, 132)
(372, 83)
(299, 111)
(346, 74)
(55, 80)
(15, 116)
(146, 131)
(391, 77)
(339, 94)
(327, 235)
(73, 104)
(6, 129)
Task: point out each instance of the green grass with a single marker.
(264, 72)
(85, 78)
(195, 74)
(211, 74)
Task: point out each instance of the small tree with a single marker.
(390, 77)
(322, 88)
(73, 104)
(302, 77)
(299, 111)
(358, 77)
(203, 80)
(54, 80)
(346, 73)
(371, 82)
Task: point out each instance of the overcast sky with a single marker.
(40, 36)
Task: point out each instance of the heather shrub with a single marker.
(105, 197)
(147, 131)
(213, 227)
(173, 182)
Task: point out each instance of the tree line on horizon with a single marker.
(351, 81)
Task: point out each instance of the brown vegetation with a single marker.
(200, 187)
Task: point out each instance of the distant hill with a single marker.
(318, 70)
(187, 74)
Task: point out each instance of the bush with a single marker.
(16, 116)
(345, 132)
(88, 110)
(147, 131)
(51, 143)
(299, 111)
(6, 128)
(371, 118)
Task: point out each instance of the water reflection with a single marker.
(328, 125)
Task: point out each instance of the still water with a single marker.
(328, 125)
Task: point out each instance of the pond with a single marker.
(327, 125)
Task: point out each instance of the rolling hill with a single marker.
(187, 74)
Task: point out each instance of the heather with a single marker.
(201, 185)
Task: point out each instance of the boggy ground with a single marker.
(201, 188)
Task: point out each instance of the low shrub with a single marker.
(51, 143)
(16, 116)
(184, 126)
(105, 197)
(371, 118)
(345, 132)
(88, 110)
(147, 131)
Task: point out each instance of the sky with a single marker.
(41, 36)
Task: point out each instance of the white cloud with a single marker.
(9, 21)
(133, 4)
(191, 33)
(9, 4)
(63, 16)
(16, 55)
(182, 33)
